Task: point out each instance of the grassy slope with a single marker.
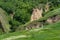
(50, 32)
(48, 15)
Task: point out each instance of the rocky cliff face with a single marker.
(36, 14)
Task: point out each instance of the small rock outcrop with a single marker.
(36, 14)
(34, 25)
(53, 19)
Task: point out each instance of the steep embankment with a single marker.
(4, 20)
(49, 32)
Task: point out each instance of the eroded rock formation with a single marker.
(34, 25)
(36, 14)
(53, 19)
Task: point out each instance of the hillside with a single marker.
(50, 14)
(29, 19)
(49, 32)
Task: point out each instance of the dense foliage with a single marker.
(22, 9)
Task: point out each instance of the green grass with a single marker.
(52, 33)
(49, 32)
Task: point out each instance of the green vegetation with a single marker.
(49, 32)
(48, 15)
(4, 21)
(15, 17)
(22, 9)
